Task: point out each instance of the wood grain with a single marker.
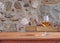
(29, 35)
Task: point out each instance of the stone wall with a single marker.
(15, 15)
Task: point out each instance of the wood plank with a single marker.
(29, 35)
(28, 42)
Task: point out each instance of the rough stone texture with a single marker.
(12, 12)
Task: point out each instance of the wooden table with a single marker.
(30, 37)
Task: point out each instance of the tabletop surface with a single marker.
(29, 35)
